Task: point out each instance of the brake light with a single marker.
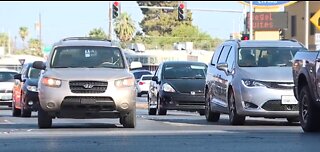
(141, 83)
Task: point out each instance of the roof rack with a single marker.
(84, 38)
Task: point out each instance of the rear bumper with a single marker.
(181, 101)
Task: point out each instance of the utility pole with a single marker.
(9, 43)
(40, 36)
(110, 21)
(251, 19)
(306, 19)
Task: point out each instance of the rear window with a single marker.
(147, 78)
(87, 57)
(7, 76)
(185, 71)
(138, 75)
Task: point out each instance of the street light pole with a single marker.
(306, 19)
(110, 21)
(251, 9)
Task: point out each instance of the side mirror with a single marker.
(39, 65)
(17, 76)
(155, 78)
(223, 67)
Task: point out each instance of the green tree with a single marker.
(98, 33)
(23, 31)
(34, 47)
(4, 39)
(160, 22)
(124, 27)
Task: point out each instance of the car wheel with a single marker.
(210, 116)
(129, 120)
(15, 111)
(308, 113)
(234, 117)
(44, 119)
(293, 119)
(161, 111)
(25, 112)
(202, 112)
(139, 94)
(151, 111)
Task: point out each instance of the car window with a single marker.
(266, 56)
(185, 71)
(216, 54)
(34, 73)
(147, 78)
(224, 54)
(7, 76)
(87, 57)
(138, 75)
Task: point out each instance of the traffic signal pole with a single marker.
(110, 21)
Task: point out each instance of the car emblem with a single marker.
(88, 86)
(193, 93)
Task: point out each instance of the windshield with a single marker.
(185, 71)
(87, 57)
(7, 76)
(34, 73)
(266, 56)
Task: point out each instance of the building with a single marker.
(296, 22)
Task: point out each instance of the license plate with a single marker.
(288, 100)
(87, 101)
(6, 97)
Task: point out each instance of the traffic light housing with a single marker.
(115, 9)
(245, 37)
(181, 14)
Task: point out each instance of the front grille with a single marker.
(187, 103)
(88, 86)
(5, 91)
(281, 85)
(275, 105)
(97, 104)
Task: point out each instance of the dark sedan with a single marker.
(177, 85)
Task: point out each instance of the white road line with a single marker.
(181, 124)
(8, 122)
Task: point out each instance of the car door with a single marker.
(227, 76)
(221, 79)
(18, 89)
(317, 78)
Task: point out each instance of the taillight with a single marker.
(141, 83)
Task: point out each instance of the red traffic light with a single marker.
(116, 3)
(246, 38)
(181, 6)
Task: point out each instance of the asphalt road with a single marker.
(177, 131)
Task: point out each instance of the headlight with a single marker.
(126, 82)
(51, 82)
(32, 88)
(253, 83)
(167, 88)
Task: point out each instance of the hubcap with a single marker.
(304, 109)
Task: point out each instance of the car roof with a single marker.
(83, 41)
(182, 62)
(266, 43)
(140, 70)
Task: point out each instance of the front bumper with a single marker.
(31, 97)
(182, 101)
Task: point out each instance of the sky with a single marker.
(62, 19)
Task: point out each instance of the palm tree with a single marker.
(98, 33)
(124, 27)
(23, 31)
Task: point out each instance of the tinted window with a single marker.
(7, 76)
(34, 73)
(146, 78)
(138, 75)
(87, 57)
(215, 56)
(224, 54)
(185, 71)
(266, 56)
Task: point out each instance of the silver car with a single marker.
(85, 78)
(252, 78)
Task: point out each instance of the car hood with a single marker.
(6, 85)
(276, 74)
(187, 85)
(100, 74)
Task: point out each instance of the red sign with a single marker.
(268, 20)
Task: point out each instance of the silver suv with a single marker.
(86, 78)
(252, 78)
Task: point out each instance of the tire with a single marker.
(210, 116)
(129, 120)
(161, 111)
(308, 113)
(293, 119)
(25, 112)
(202, 112)
(234, 117)
(139, 94)
(44, 120)
(15, 111)
(151, 111)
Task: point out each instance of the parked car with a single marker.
(143, 84)
(177, 85)
(86, 78)
(6, 86)
(139, 73)
(306, 77)
(252, 78)
(25, 92)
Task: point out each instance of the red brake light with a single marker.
(141, 83)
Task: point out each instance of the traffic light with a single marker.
(245, 37)
(115, 9)
(181, 15)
